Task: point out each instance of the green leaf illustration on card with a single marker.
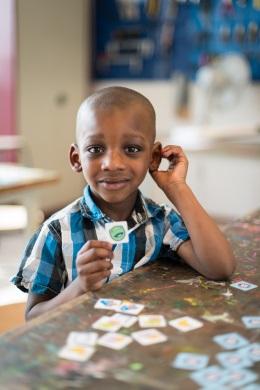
(117, 233)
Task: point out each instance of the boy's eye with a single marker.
(132, 149)
(95, 149)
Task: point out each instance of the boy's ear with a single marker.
(156, 157)
(74, 158)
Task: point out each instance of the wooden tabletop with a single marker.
(14, 177)
(28, 355)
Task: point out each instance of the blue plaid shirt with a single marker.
(49, 262)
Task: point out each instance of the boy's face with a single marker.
(114, 152)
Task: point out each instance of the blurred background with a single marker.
(198, 61)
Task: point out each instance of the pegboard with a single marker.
(153, 39)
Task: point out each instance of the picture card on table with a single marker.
(238, 377)
(231, 340)
(79, 353)
(209, 377)
(114, 340)
(152, 321)
(186, 323)
(252, 351)
(108, 324)
(107, 303)
(251, 322)
(126, 320)
(244, 286)
(234, 359)
(82, 338)
(149, 336)
(128, 307)
(190, 361)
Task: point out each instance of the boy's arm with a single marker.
(40, 304)
(207, 251)
(93, 268)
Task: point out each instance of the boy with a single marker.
(115, 148)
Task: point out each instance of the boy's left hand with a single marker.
(177, 170)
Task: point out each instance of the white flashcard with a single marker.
(244, 286)
(114, 340)
(149, 336)
(185, 324)
(152, 321)
(82, 338)
(79, 353)
(127, 320)
(117, 232)
(108, 324)
(107, 303)
(128, 307)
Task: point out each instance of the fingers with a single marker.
(98, 277)
(94, 250)
(169, 150)
(96, 244)
(98, 281)
(175, 172)
(94, 254)
(156, 157)
(166, 152)
(93, 275)
(94, 264)
(174, 154)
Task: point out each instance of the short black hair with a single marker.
(115, 97)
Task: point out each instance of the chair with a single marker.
(11, 316)
(12, 217)
(10, 144)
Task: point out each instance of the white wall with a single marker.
(222, 188)
(53, 68)
(242, 117)
(53, 78)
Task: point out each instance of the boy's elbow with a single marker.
(227, 269)
(28, 315)
(230, 263)
(231, 267)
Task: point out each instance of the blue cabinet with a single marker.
(153, 39)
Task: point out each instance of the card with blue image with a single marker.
(252, 386)
(210, 376)
(190, 361)
(231, 340)
(244, 286)
(251, 322)
(130, 307)
(252, 351)
(238, 377)
(234, 359)
(107, 303)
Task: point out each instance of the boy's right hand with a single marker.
(94, 264)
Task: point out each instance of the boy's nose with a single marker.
(113, 160)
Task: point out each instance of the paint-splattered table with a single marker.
(28, 355)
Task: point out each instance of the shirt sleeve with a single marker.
(176, 232)
(42, 268)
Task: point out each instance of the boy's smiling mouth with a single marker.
(113, 183)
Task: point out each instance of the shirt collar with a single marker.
(89, 208)
(143, 210)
